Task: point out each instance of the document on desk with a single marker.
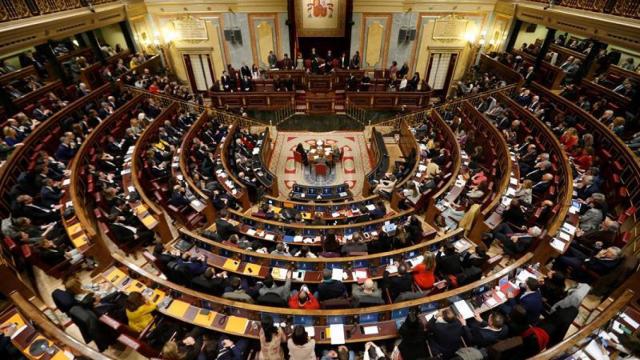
(558, 245)
(361, 275)
(236, 325)
(311, 331)
(231, 265)
(252, 269)
(337, 334)
(279, 273)
(634, 324)
(336, 274)
(371, 330)
(596, 351)
(463, 308)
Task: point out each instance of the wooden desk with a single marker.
(241, 318)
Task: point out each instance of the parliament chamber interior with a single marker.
(319, 179)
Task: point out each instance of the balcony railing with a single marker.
(19, 9)
(625, 8)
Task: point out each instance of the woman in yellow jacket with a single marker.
(139, 311)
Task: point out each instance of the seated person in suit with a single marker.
(231, 350)
(514, 243)
(367, 293)
(283, 292)
(530, 298)
(179, 197)
(125, 227)
(586, 187)
(24, 205)
(553, 287)
(593, 217)
(444, 333)
(379, 212)
(401, 283)
(602, 236)
(541, 187)
(484, 333)
(235, 291)
(355, 245)
(50, 193)
(223, 227)
(330, 288)
(448, 260)
(209, 282)
(601, 263)
(194, 345)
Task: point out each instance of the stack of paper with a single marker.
(558, 244)
(463, 309)
(336, 274)
(337, 334)
(279, 273)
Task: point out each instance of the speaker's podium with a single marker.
(320, 83)
(321, 102)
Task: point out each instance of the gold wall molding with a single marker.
(19, 34)
(379, 43)
(211, 7)
(375, 31)
(426, 44)
(264, 37)
(436, 6)
(607, 28)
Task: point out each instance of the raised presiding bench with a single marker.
(380, 100)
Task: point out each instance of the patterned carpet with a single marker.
(354, 166)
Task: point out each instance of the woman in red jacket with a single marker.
(423, 274)
(584, 158)
(304, 299)
(569, 139)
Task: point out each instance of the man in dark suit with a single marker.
(543, 185)
(287, 63)
(540, 167)
(50, 194)
(225, 80)
(601, 264)
(524, 98)
(445, 337)
(484, 333)
(223, 227)
(245, 71)
(125, 233)
(448, 261)
(606, 234)
(330, 288)
(530, 298)
(344, 61)
(24, 206)
(398, 284)
(179, 197)
(515, 243)
(209, 283)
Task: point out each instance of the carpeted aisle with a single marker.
(354, 166)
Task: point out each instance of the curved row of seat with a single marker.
(227, 258)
